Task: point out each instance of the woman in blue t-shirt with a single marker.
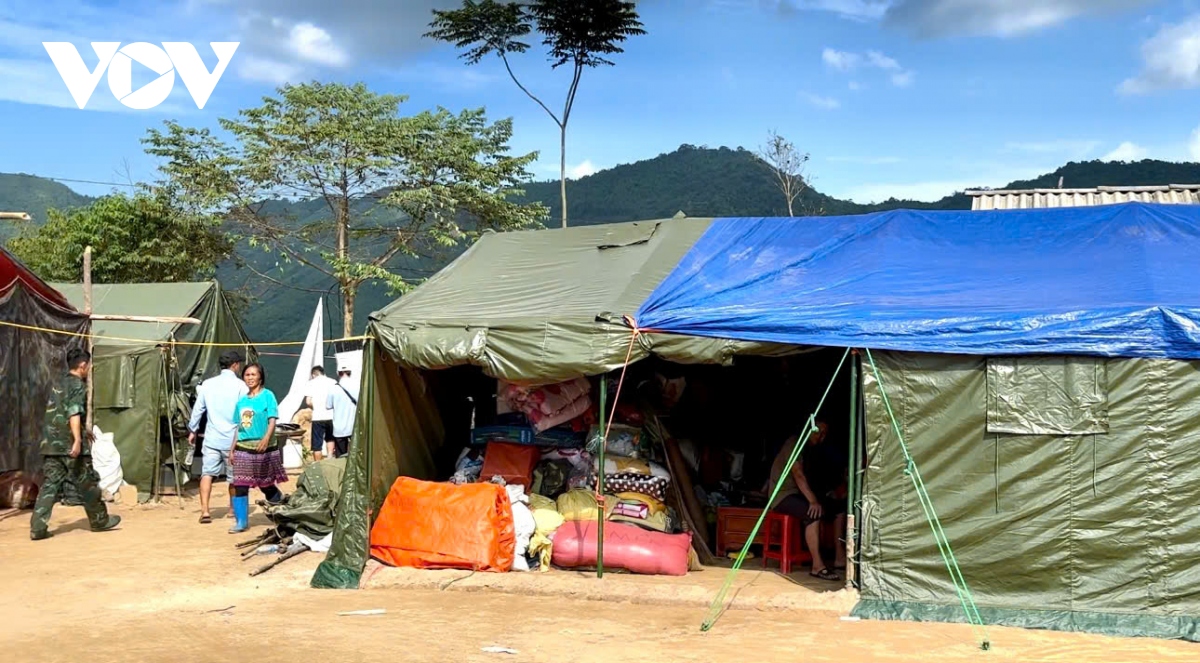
(256, 459)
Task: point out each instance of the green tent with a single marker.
(525, 306)
(1067, 488)
(144, 384)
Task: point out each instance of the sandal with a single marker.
(205, 519)
(825, 574)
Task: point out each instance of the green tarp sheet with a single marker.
(139, 379)
(547, 305)
(1077, 530)
(31, 361)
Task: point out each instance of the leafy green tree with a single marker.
(576, 33)
(436, 179)
(134, 239)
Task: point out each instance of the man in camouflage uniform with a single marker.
(66, 452)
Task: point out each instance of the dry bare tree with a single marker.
(787, 165)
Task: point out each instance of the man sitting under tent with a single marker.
(814, 493)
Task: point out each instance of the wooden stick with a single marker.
(15, 216)
(301, 548)
(91, 345)
(146, 318)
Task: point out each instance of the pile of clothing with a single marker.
(543, 448)
(639, 485)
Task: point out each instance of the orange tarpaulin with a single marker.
(430, 525)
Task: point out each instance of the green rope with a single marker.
(717, 608)
(939, 534)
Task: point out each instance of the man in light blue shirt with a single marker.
(218, 397)
(342, 400)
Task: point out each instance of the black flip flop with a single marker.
(205, 520)
(825, 574)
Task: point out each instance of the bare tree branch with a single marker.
(787, 166)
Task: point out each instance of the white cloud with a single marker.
(1170, 60)
(582, 170)
(824, 103)
(1194, 145)
(314, 44)
(858, 10)
(1001, 18)
(846, 61)
(1127, 151)
(882, 61)
(303, 38)
(854, 86)
(840, 60)
(903, 79)
(266, 70)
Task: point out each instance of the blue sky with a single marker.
(906, 98)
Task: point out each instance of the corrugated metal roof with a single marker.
(1168, 194)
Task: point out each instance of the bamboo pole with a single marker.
(174, 320)
(600, 479)
(91, 344)
(169, 389)
(852, 475)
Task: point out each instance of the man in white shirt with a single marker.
(315, 396)
(218, 397)
(343, 402)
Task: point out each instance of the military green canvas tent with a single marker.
(1042, 370)
(534, 306)
(144, 384)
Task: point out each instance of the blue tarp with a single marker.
(1117, 281)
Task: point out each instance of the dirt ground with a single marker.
(164, 588)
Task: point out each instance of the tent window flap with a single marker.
(1047, 395)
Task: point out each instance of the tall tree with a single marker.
(575, 32)
(135, 239)
(787, 166)
(383, 185)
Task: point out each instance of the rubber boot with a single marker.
(241, 514)
(110, 524)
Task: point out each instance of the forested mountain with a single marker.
(699, 181)
(34, 195)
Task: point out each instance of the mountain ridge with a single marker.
(698, 181)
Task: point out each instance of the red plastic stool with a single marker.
(783, 532)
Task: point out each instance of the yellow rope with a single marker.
(97, 337)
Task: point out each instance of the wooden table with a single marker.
(733, 528)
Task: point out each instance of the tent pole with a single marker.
(168, 389)
(91, 344)
(369, 351)
(852, 474)
(600, 479)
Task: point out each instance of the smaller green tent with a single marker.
(144, 383)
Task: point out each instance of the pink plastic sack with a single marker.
(626, 547)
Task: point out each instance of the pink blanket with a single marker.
(551, 405)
